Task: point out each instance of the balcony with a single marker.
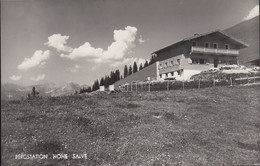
(214, 51)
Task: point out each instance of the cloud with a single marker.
(128, 61)
(75, 69)
(84, 51)
(252, 13)
(95, 67)
(42, 64)
(123, 43)
(37, 59)
(38, 78)
(15, 77)
(59, 42)
(141, 40)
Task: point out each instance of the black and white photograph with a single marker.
(130, 82)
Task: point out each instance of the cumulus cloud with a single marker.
(127, 61)
(15, 77)
(37, 59)
(141, 40)
(252, 13)
(75, 69)
(84, 51)
(38, 78)
(123, 43)
(95, 67)
(42, 64)
(59, 42)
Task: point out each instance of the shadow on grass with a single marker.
(255, 147)
(47, 147)
(127, 105)
(26, 118)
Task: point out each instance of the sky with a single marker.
(58, 41)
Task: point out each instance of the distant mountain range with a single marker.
(248, 32)
(13, 92)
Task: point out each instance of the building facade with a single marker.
(198, 53)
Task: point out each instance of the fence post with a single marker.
(231, 81)
(167, 85)
(149, 87)
(199, 84)
(182, 85)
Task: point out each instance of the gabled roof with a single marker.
(205, 34)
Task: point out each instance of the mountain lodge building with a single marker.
(198, 53)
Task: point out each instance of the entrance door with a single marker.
(215, 62)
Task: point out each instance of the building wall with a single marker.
(186, 68)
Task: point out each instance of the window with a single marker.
(195, 61)
(179, 72)
(194, 43)
(227, 46)
(160, 76)
(178, 61)
(166, 74)
(165, 64)
(202, 61)
(172, 63)
(199, 61)
(215, 45)
(207, 45)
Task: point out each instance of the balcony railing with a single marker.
(169, 68)
(214, 51)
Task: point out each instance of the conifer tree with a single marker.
(102, 82)
(146, 64)
(135, 69)
(141, 67)
(130, 70)
(125, 71)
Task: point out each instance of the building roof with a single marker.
(205, 34)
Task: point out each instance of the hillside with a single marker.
(248, 32)
(181, 127)
(149, 71)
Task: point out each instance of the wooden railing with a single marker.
(214, 51)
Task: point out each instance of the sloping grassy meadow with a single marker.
(211, 126)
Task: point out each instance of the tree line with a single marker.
(115, 75)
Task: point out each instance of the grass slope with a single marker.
(149, 71)
(211, 126)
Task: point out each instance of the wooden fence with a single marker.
(177, 85)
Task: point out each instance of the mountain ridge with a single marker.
(10, 91)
